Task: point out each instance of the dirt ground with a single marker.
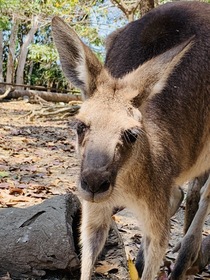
(38, 160)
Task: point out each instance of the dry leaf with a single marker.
(105, 267)
(116, 219)
(132, 269)
(15, 191)
(4, 174)
(4, 185)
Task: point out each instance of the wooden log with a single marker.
(48, 96)
(40, 237)
(43, 88)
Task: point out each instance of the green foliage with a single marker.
(44, 54)
(45, 70)
(6, 9)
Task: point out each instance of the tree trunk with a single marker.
(11, 54)
(30, 72)
(24, 50)
(1, 56)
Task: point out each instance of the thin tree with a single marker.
(1, 56)
(24, 50)
(12, 49)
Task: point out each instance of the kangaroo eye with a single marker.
(81, 128)
(131, 135)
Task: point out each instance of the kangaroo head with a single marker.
(110, 124)
(106, 124)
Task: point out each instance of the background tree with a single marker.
(25, 24)
(1, 55)
(27, 53)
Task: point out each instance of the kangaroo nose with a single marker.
(95, 181)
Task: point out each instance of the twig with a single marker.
(38, 100)
(4, 95)
(63, 111)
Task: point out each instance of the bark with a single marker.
(30, 72)
(48, 96)
(24, 50)
(12, 48)
(1, 56)
(40, 237)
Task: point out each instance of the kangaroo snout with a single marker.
(96, 182)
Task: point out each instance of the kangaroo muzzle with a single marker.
(95, 181)
(95, 184)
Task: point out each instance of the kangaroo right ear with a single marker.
(78, 62)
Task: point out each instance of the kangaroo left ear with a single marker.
(152, 76)
(78, 62)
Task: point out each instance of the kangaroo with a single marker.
(144, 126)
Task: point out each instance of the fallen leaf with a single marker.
(105, 267)
(132, 269)
(14, 191)
(4, 185)
(3, 167)
(22, 186)
(4, 174)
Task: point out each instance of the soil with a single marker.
(38, 160)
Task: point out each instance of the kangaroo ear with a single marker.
(152, 76)
(78, 62)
